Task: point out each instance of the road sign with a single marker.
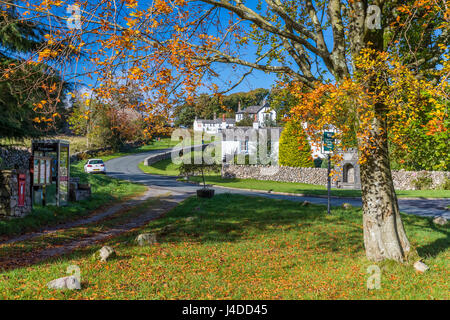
(328, 141)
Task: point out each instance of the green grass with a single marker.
(163, 167)
(241, 247)
(166, 167)
(164, 143)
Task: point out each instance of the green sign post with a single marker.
(328, 147)
(328, 141)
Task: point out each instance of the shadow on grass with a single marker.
(230, 218)
(436, 247)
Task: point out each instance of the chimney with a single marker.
(224, 123)
(255, 122)
(215, 115)
(239, 106)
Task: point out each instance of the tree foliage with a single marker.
(26, 87)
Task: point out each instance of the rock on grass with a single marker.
(146, 239)
(420, 266)
(440, 221)
(105, 253)
(70, 283)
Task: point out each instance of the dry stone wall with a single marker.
(403, 180)
(9, 194)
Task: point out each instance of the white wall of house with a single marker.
(266, 113)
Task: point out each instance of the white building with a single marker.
(262, 114)
(213, 126)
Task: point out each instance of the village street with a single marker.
(127, 168)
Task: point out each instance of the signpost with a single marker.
(328, 147)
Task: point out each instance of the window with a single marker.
(95, 161)
(243, 145)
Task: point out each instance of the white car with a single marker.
(95, 166)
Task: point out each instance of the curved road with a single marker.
(127, 168)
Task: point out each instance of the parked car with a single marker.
(95, 166)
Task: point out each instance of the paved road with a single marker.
(127, 168)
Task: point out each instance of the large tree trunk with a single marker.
(384, 234)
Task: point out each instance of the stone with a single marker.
(146, 239)
(167, 228)
(70, 283)
(420, 266)
(190, 219)
(346, 206)
(105, 253)
(440, 221)
(306, 203)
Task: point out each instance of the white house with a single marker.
(213, 126)
(244, 141)
(262, 114)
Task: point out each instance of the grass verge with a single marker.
(238, 247)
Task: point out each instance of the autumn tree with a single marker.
(26, 87)
(361, 56)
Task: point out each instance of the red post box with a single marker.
(22, 185)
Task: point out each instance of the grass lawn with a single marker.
(166, 167)
(164, 143)
(239, 247)
(163, 167)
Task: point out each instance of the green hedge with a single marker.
(294, 150)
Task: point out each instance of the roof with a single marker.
(253, 109)
(218, 121)
(45, 141)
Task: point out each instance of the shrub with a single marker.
(246, 121)
(422, 183)
(446, 184)
(294, 149)
(318, 162)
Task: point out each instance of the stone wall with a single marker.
(403, 180)
(14, 158)
(285, 174)
(9, 194)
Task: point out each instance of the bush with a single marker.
(246, 121)
(446, 184)
(294, 150)
(318, 162)
(423, 183)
